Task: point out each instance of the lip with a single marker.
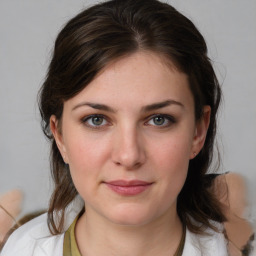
(128, 188)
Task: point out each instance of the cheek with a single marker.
(86, 149)
(87, 155)
(83, 168)
(174, 151)
(172, 159)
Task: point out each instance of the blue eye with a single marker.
(161, 120)
(95, 121)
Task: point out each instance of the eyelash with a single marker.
(90, 117)
(168, 121)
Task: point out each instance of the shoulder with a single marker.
(237, 193)
(230, 189)
(33, 238)
(213, 244)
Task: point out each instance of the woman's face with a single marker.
(128, 137)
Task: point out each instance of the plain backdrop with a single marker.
(28, 29)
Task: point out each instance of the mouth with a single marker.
(128, 188)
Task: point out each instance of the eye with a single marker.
(161, 120)
(95, 121)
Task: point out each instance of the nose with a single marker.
(128, 149)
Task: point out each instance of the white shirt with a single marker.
(34, 239)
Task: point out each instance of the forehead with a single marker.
(140, 78)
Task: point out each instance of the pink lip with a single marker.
(128, 188)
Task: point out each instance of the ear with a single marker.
(201, 132)
(56, 132)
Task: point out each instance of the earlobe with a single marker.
(201, 132)
(55, 129)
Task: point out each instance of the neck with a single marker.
(97, 236)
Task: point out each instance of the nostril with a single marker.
(137, 165)
(117, 163)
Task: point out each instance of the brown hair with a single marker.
(111, 30)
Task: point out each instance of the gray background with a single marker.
(27, 32)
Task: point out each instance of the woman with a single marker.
(129, 104)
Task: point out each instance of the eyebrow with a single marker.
(162, 104)
(146, 108)
(95, 106)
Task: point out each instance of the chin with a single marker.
(132, 222)
(130, 216)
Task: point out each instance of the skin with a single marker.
(11, 202)
(131, 143)
(231, 190)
